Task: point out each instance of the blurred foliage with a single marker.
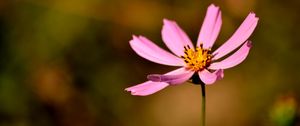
(284, 110)
(67, 63)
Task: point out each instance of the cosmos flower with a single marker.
(197, 61)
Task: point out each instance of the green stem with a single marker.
(196, 80)
(203, 103)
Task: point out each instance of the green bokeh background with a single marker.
(67, 63)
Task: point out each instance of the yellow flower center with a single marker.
(198, 59)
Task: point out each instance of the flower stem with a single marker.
(203, 103)
(196, 80)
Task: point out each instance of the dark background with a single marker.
(67, 63)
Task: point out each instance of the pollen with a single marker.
(198, 59)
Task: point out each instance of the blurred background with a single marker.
(67, 63)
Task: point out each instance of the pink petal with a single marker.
(147, 88)
(148, 50)
(209, 78)
(174, 37)
(150, 87)
(172, 79)
(211, 27)
(233, 60)
(238, 38)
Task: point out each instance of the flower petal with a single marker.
(148, 50)
(211, 27)
(150, 87)
(147, 88)
(209, 78)
(235, 59)
(238, 38)
(172, 79)
(174, 37)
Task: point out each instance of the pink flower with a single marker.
(197, 60)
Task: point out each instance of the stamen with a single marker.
(185, 48)
(197, 59)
